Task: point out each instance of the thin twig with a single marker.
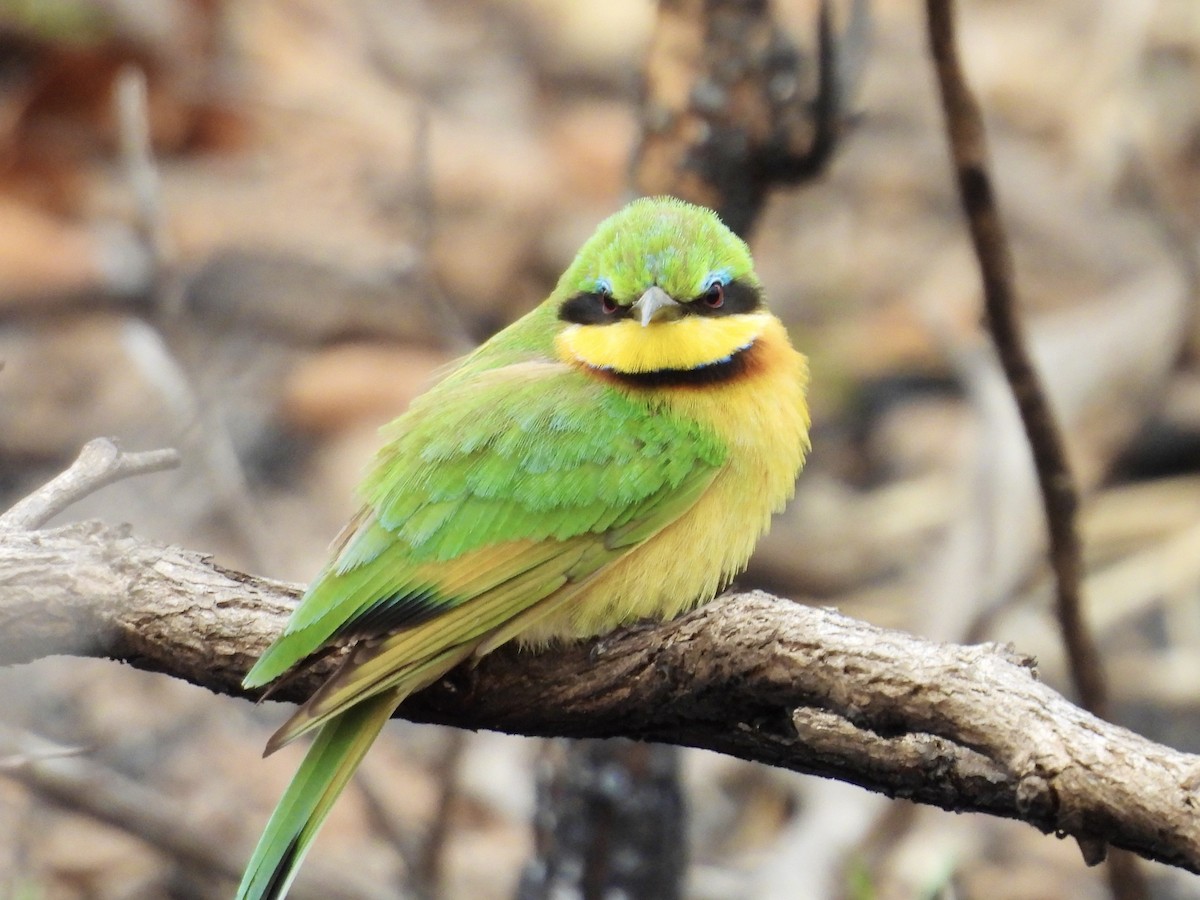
(453, 326)
(422, 857)
(826, 108)
(968, 147)
(100, 463)
(28, 756)
(137, 158)
(200, 431)
(384, 821)
(80, 784)
(152, 342)
(432, 858)
(964, 126)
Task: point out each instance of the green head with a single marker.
(661, 286)
(658, 241)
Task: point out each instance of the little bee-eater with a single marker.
(612, 456)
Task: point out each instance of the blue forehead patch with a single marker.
(718, 276)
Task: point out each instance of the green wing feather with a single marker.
(497, 497)
(485, 479)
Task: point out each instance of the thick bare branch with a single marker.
(962, 728)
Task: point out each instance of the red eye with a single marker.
(608, 304)
(714, 297)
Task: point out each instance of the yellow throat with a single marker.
(690, 342)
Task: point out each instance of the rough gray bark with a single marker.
(962, 728)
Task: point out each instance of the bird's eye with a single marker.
(714, 297)
(607, 303)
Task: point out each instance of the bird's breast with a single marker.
(762, 416)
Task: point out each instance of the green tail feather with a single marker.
(331, 761)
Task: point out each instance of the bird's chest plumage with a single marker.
(763, 419)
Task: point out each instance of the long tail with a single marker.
(335, 754)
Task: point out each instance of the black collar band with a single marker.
(713, 373)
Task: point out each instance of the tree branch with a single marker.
(962, 728)
(968, 147)
(725, 111)
(99, 463)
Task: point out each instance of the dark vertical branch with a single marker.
(728, 110)
(968, 148)
(609, 824)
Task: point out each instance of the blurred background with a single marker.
(340, 197)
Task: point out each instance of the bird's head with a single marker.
(662, 286)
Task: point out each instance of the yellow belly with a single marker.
(764, 418)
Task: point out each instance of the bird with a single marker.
(612, 456)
